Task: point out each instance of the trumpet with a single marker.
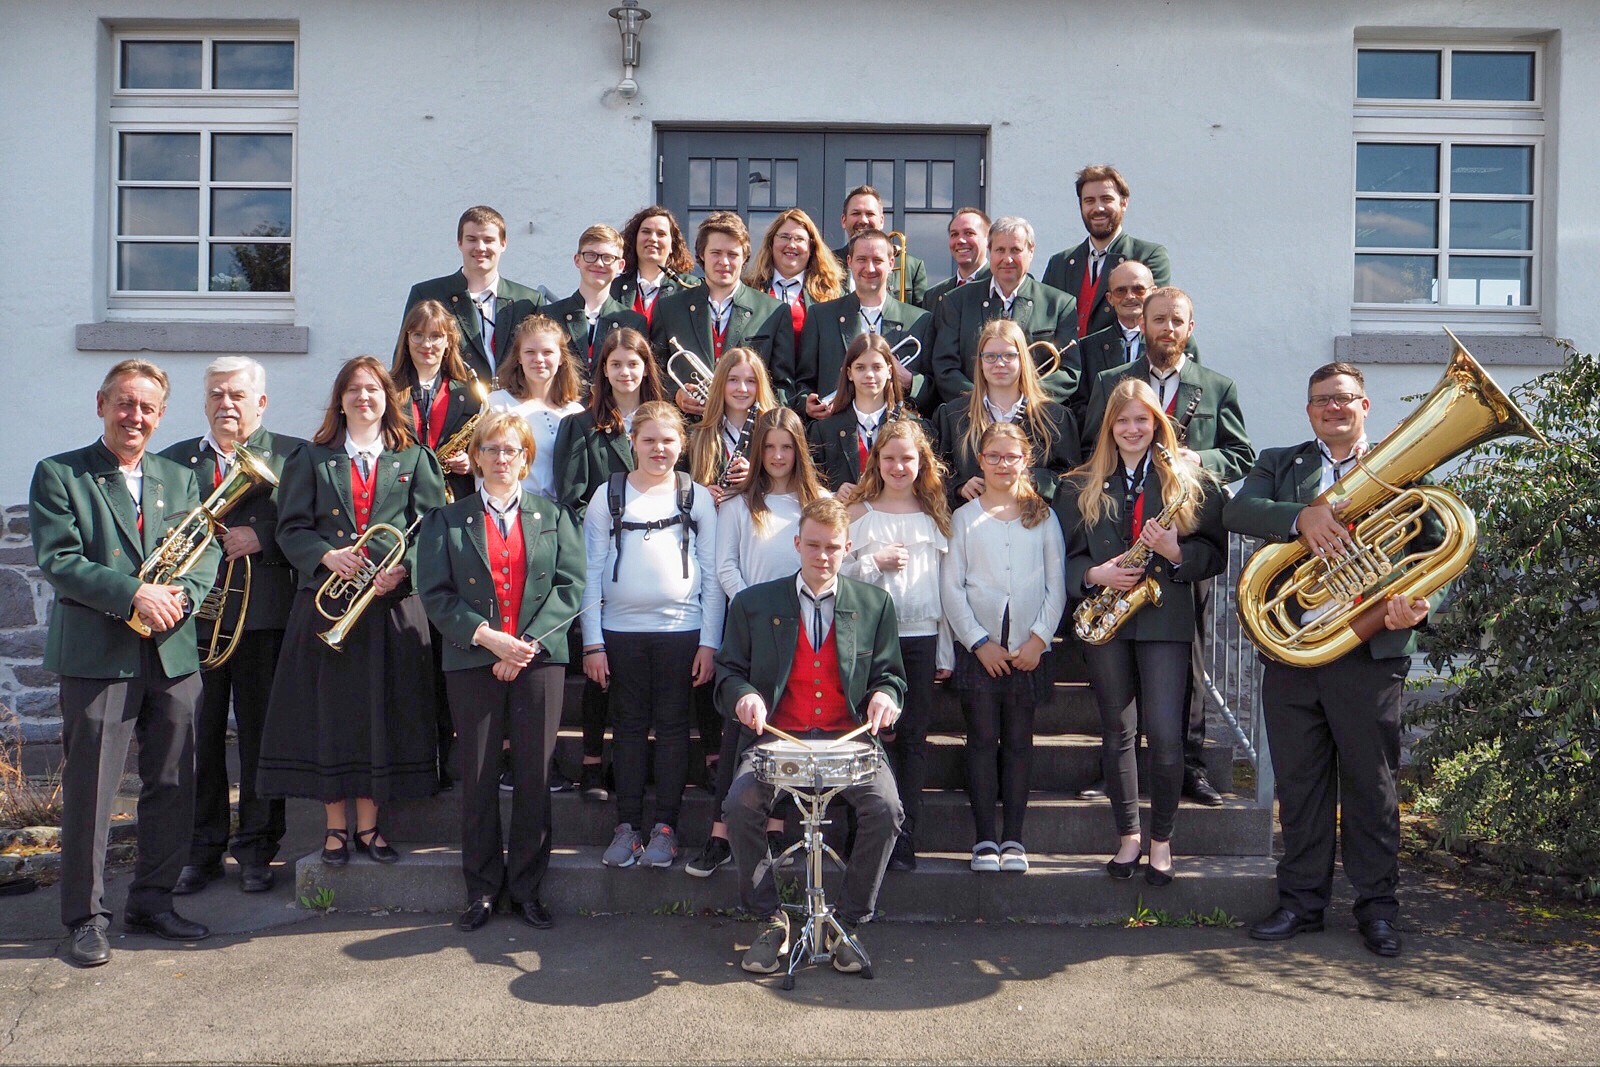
(456, 444)
(1098, 618)
(899, 259)
(183, 545)
(348, 598)
(688, 372)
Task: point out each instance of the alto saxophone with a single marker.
(1097, 620)
(457, 443)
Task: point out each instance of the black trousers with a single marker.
(1335, 737)
(998, 723)
(907, 745)
(1129, 677)
(596, 709)
(245, 684)
(650, 683)
(99, 717)
(488, 711)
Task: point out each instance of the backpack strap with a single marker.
(685, 516)
(614, 497)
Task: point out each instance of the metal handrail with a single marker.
(1232, 674)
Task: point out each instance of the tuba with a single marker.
(688, 372)
(458, 443)
(181, 548)
(1343, 598)
(899, 259)
(342, 601)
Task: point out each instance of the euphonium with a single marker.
(356, 594)
(688, 372)
(458, 443)
(1097, 619)
(899, 259)
(181, 548)
(1305, 611)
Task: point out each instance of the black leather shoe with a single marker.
(1283, 924)
(1157, 878)
(1381, 937)
(337, 857)
(192, 879)
(1095, 790)
(1198, 788)
(256, 878)
(167, 924)
(365, 842)
(1117, 869)
(89, 946)
(535, 914)
(476, 915)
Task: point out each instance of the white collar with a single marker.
(870, 419)
(962, 279)
(721, 306)
(1098, 252)
(804, 590)
(137, 469)
(1174, 372)
(210, 441)
(1007, 414)
(1327, 453)
(510, 505)
(994, 291)
(353, 450)
(778, 279)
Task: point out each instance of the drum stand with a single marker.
(809, 944)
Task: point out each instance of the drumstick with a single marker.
(859, 730)
(771, 729)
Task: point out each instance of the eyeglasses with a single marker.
(1003, 459)
(1343, 400)
(1010, 355)
(1130, 290)
(605, 259)
(500, 452)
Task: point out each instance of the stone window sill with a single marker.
(242, 338)
(1430, 348)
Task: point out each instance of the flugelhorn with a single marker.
(1097, 619)
(457, 443)
(1307, 611)
(183, 545)
(688, 372)
(899, 259)
(348, 598)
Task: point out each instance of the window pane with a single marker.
(1490, 281)
(928, 239)
(942, 196)
(725, 184)
(1491, 76)
(158, 212)
(757, 223)
(250, 212)
(160, 157)
(1397, 224)
(157, 268)
(1397, 168)
(1397, 279)
(1491, 224)
(161, 64)
(916, 183)
(786, 183)
(253, 65)
(250, 268)
(1485, 168)
(1394, 75)
(855, 173)
(699, 181)
(695, 219)
(251, 157)
(883, 181)
(760, 183)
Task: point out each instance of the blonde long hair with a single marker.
(824, 274)
(929, 486)
(806, 485)
(1040, 428)
(566, 385)
(706, 458)
(1034, 508)
(1094, 503)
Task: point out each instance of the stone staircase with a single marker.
(1223, 855)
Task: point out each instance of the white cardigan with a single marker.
(746, 556)
(993, 565)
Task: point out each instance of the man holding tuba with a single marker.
(1335, 728)
(257, 606)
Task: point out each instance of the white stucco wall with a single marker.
(1232, 121)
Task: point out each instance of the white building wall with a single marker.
(1231, 120)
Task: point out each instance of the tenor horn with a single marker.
(342, 601)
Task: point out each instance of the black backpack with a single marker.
(614, 500)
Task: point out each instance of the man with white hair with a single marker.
(1045, 314)
(235, 400)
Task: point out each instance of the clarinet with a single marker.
(1182, 425)
(740, 450)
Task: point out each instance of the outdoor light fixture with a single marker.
(630, 17)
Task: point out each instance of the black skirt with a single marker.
(970, 677)
(356, 723)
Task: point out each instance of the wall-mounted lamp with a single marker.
(630, 17)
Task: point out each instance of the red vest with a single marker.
(814, 699)
(508, 566)
(436, 415)
(361, 492)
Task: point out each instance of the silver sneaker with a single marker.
(662, 849)
(625, 848)
(771, 945)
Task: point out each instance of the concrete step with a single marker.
(1056, 822)
(1058, 888)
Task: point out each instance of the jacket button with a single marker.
(472, 581)
(335, 511)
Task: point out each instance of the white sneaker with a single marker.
(986, 856)
(1013, 857)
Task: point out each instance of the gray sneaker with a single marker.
(846, 960)
(625, 848)
(662, 849)
(771, 945)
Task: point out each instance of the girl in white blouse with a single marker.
(1004, 592)
(899, 538)
(541, 383)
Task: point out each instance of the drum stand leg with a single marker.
(809, 944)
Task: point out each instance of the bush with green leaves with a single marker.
(1513, 751)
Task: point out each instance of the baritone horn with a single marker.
(688, 372)
(1306, 611)
(342, 601)
(899, 259)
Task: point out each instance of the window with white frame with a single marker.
(202, 170)
(1449, 146)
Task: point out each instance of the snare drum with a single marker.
(819, 765)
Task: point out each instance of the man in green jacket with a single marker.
(1083, 271)
(97, 513)
(863, 210)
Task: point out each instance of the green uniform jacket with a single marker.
(626, 288)
(1056, 456)
(931, 301)
(272, 580)
(757, 321)
(1216, 431)
(1101, 351)
(315, 514)
(1205, 554)
(458, 589)
(614, 315)
(833, 324)
(585, 458)
(1268, 504)
(836, 450)
(763, 625)
(86, 540)
(513, 303)
(916, 277)
(1045, 314)
(1065, 272)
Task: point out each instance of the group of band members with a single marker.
(909, 490)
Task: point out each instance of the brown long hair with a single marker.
(824, 274)
(602, 401)
(706, 457)
(929, 486)
(1034, 508)
(807, 486)
(845, 391)
(396, 428)
(1040, 428)
(565, 386)
(452, 366)
(1094, 503)
(679, 260)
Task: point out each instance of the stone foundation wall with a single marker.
(26, 688)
